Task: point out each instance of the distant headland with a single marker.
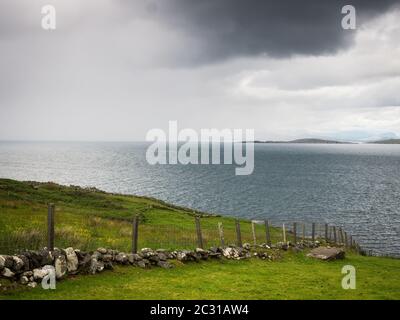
(324, 141)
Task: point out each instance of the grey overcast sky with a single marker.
(114, 69)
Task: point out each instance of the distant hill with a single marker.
(322, 141)
(388, 141)
(311, 141)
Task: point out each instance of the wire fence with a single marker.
(90, 232)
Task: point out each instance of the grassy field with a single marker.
(88, 219)
(294, 277)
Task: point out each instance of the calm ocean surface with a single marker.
(354, 186)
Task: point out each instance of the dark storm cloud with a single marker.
(221, 29)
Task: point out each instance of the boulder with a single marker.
(140, 264)
(39, 274)
(97, 255)
(99, 266)
(214, 250)
(32, 284)
(60, 265)
(102, 250)
(182, 255)
(7, 273)
(72, 260)
(162, 256)
(80, 255)
(132, 257)
(17, 263)
(326, 253)
(85, 263)
(45, 256)
(25, 260)
(154, 259)
(147, 253)
(107, 258)
(8, 262)
(24, 280)
(108, 265)
(231, 253)
(28, 274)
(121, 258)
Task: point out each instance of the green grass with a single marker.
(294, 277)
(88, 219)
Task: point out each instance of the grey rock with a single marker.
(60, 265)
(214, 250)
(24, 280)
(72, 260)
(132, 257)
(121, 258)
(85, 263)
(327, 254)
(97, 255)
(162, 256)
(7, 273)
(102, 250)
(100, 266)
(8, 262)
(25, 260)
(17, 263)
(140, 263)
(32, 284)
(39, 274)
(46, 257)
(107, 258)
(182, 256)
(231, 253)
(28, 274)
(108, 265)
(154, 259)
(146, 250)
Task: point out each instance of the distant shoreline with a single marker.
(322, 141)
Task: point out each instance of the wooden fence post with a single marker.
(313, 232)
(135, 233)
(198, 231)
(295, 232)
(284, 233)
(221, 234)
(326, 232)
(267, 233)
(50, 227)
(238, 234)
(253, 231)
(341, 236)
(304, 231)
(334, 235)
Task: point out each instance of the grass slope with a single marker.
(88, 218)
